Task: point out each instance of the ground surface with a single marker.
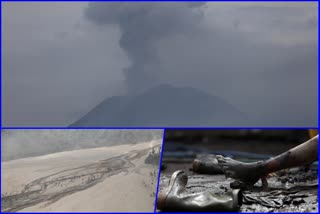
(117, 178)
(294, 191)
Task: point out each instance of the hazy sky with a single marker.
(62, 59)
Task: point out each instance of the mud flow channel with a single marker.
(53, 187)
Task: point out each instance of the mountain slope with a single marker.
(166, 106)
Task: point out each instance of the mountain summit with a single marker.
(163, 106)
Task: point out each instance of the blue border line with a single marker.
(1, 104)
(159, 171)
(318, 100)
(1, 68)
(168, 128)
(73, 212)
(288, 1)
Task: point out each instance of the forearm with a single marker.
(303, 154)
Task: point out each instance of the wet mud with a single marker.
(293, 190)
(53, 187)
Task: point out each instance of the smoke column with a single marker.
(142, 25)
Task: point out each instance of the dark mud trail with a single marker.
(53, 187)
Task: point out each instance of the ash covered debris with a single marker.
(300, 194)
(292, 189)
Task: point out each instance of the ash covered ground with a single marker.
(294, 191)
(290, 190)
(97, 179)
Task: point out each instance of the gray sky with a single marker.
(62, 59)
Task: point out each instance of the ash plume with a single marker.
(142, 25)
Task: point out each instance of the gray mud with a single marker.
(295, 191)
(53, 187)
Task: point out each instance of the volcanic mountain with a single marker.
(163, 106)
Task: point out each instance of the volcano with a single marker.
(163, 106)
